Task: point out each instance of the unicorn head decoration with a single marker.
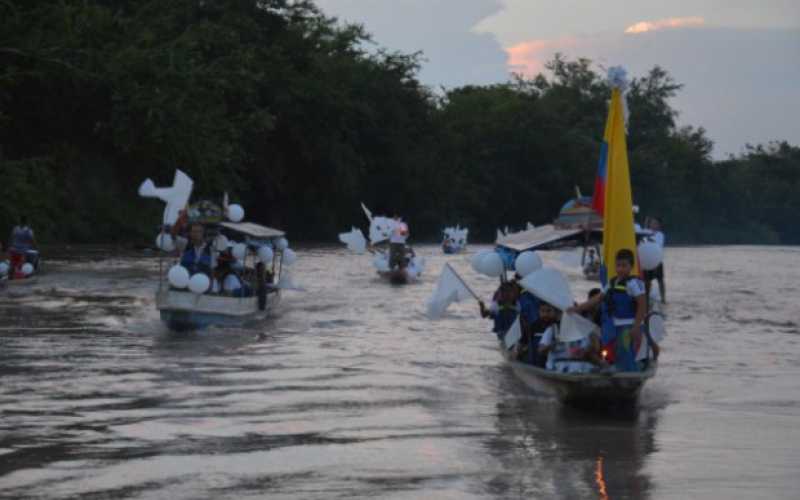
(380, 230)
(176, 197)
(456, 236)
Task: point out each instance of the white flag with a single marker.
(449, 289)
(354, 240)
(513, 334)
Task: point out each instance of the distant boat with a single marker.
(455, 240)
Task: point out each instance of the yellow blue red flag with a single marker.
(617, 206)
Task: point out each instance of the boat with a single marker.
(183, 309)
(582, 389)
(615, 212)
(408, 267)
(257, 256)
(455, 240)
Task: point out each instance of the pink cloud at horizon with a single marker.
(529, 58)
(661, 24)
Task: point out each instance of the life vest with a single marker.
(197, 263)
(620, 305)
(504, 318)
(22, 238)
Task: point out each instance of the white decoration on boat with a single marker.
(27, 269)
(221, 243)
(176, 197)
(3, 268)
(355, 240)
(550, 286)
(527, 262)
(265, 254)
(282, 244)
(178, 276)
(289, 257)
(165, 242)
(650, 255)
(239, 251)
(476, 260)
(492, 265)
(235, 213)
(199, 283)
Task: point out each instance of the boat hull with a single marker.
(582, 389)
(182, 310)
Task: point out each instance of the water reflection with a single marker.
(548, 450)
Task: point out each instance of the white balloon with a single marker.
(282, 244)
(265, 254)
(289, 257)
(221, 243)
(3, 268)
(235, 213)
(165, 242)
(178, 276)
(199, 283)
(381, 263)
(492, 265)
(476, 259)
(650, 255)
(527, 262)
(27, 269)
(239, 251)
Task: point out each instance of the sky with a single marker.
(739, 60)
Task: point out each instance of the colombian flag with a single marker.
(612, 199)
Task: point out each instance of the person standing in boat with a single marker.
(21, 242)
(197, 255)
(625, 303)
(656, 236)
(397, 244)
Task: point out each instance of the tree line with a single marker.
(300, 118)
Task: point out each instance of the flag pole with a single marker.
(472, 292)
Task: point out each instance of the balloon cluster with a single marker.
(491, 264)
(3, 268)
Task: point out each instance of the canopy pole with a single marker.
(470, 290)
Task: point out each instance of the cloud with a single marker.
(454, 52)
(661, 24)
(738, 83)
(528, 58)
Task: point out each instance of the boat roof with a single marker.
(550, 237)
(252, 229)
(538, 238)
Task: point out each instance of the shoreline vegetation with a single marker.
(300, 118)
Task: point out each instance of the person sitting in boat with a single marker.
(503, 310)
(528, 349)
(197, 255)
(577, 356)
(595, 314)
(22, 245)
(624, 300)
(227, 280)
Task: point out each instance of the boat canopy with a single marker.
(253, 230)
(540, 238)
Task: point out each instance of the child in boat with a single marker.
(624, 300)
(504, 309)
(577, 356)
(595, 314)
(547, 315)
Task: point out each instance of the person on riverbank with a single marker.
(624, 300)
(656, 236)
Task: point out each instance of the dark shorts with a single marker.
(655, 274)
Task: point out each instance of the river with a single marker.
(348, 391)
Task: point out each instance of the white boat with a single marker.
(582, 388)
(182, 309)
